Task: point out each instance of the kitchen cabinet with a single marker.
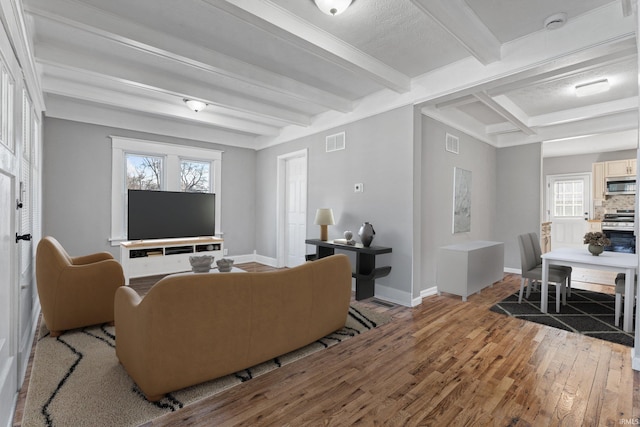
(594, 225)
(620, 167)
(599, 184)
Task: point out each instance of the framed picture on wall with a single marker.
(461, 200)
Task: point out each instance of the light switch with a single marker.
(358, 188)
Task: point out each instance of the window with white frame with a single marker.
(144, 172)
(195, 176)
(148, 165)
(568, 198)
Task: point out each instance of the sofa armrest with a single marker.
(131, 343)
(90, 259)
(127, 300)
(105, 274)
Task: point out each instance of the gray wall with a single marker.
(437, 192)
(581, 163)
(518, 197)
(77, 187)
(378, 154)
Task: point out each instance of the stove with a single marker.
(619, 227)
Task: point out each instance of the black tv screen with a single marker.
(170, 214)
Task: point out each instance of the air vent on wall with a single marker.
(452, 144)
(335, 142)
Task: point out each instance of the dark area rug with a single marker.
(588, 313)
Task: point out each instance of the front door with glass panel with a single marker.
(568, 208)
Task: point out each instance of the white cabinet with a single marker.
(164, 256)
(594, 225)
(465, 268)
(599, 183)
(620, 167)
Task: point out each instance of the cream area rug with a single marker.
(76, 379)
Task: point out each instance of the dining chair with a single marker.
(538, 253)
(532, 271)
(620, 279)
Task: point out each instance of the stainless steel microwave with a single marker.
(620, 185)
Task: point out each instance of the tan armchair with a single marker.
(75, 291)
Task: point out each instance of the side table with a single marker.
(366, 271)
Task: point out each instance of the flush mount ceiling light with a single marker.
(555, 21)
(195, 105)
(592, 88)
(332, 7)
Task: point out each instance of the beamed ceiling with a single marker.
(275, 70)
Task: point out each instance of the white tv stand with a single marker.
(141, 258)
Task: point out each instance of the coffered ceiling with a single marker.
(274, 70)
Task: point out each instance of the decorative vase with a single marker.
(595, 249)
(225, 265)
(366, 233)
(201, 264)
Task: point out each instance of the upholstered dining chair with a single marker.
(532, 271)
(538, 253)
(620, 279)
(75, 291)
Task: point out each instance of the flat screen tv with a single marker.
(170, 214)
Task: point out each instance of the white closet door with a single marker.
(296, 210)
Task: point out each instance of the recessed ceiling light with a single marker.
(592, 88)
(555, 21)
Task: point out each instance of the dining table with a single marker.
(581, 258)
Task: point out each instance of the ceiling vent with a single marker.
(452, 144)
(335, 142)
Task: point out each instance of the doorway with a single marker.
(568, 208)
(292, 208)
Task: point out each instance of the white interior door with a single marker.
(568, 208)
(295, 210)
(8, 359)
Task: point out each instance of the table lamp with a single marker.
(324, 217)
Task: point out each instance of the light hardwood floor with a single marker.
(444, 362)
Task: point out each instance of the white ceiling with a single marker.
(274, 70)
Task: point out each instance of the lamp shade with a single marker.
(333, 7)
(324, 216)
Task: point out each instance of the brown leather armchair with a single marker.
(75, 291)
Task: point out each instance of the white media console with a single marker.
(141, 258)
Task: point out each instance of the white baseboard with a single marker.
(395, 296)
(240, 259)
(25, 351)
(271, 262)
(428, 292)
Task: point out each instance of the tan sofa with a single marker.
(191, 328)
(75, 291)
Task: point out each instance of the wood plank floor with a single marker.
(443, 363)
